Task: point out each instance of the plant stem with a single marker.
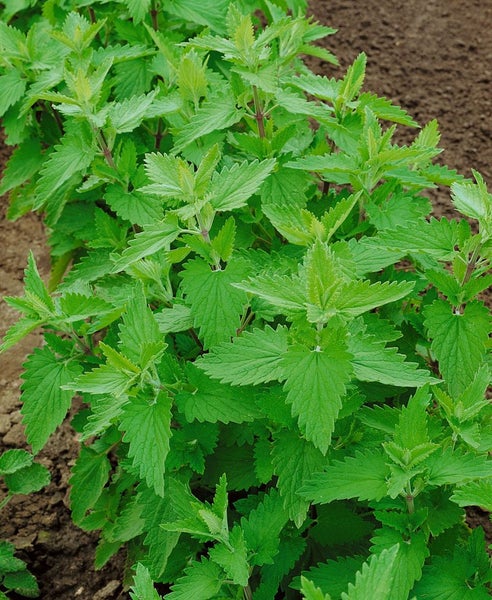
(259, 115)
(5, 501)
(409, 498)
(471, 265)
(248, 594)
(158, 135)
(154, 14)
(103, 144)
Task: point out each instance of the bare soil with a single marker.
(432, 57)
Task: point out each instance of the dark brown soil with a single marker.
(432, 57)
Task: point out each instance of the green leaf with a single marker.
(251, 358)
(151, 239)
(13, 460)
(362, 476)
(223, 242)
(212, 401)
(89, 476)
(139, 337)
(290, 550)
(143, 586)
(125, 116)
(73, 155)
(27, 480)
(8, 562)
(474, 493)
(202, 581)
(464, 576)
(135, 207)
(22, 582)
(206, 14)
(215, 304)
(384, 109)
(175, 319)
(458, 341)
(233, 557)
(19, 330)
(146, 426)
(448, 467)
(76, 307)
(285, 293)
(12, 88)
(294, 461)
(36, 291)
(160, 543)
(334, 575)
(375, 579)
(138, 10)
(164, 171)
(354, 78)
(472, 199)
(437, 238)
(315, 385)
(409, 560)
(358, 297)
(232, 187)
(115, 378)
(12, 41)
(128, 524)
(311, 592)
(262, 528)
(22, 165)
(372, 361)
(216, 113)
(45, 402)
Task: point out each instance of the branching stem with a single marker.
(103, 144)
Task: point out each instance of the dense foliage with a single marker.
(283, 358)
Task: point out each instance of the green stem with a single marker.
(158, 135)
(6, 500)
(103, 144)
(259, 115)
(471, 265)
(154, 15)
(409, 498)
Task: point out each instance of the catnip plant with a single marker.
(282, 356)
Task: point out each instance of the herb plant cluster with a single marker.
(282, 357)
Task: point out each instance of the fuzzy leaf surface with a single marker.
(409, 560)
(45, 403)
(474, 493)
(458, 341)
(294, 462)
(215, 304)
(201, 581)
(362, 476)
(146, 427)
(373, 361)
(375, 578)
(252, 358)
(213, 401)
(232, 187)
(151, 239)
(315, 386)
(89, 476)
